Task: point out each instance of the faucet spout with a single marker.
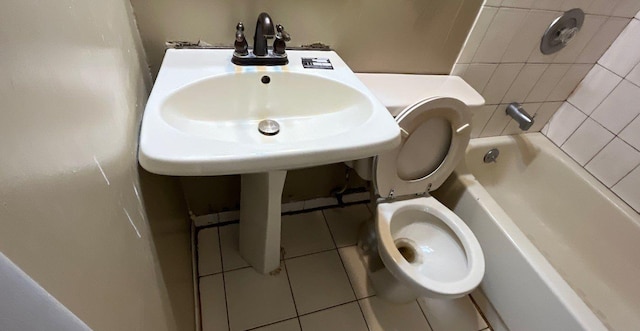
(265, 29)
(515, 110)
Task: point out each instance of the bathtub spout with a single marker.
(515, 110)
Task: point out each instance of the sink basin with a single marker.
(229, 108)
(203, 113)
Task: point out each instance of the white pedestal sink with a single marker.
(202, 120)
(260, 219)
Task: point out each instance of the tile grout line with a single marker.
(598, 152)
(524, 20)
(355, 295)
(558, 11)
(424, 314)
(311, 313)
(481, 37)
(196, 269)
(625, 127)
(224, 282)
(285, 259)
(327, 308)
(615, 135)
(273, 323)
(308, 254)
(293, 297)
(212, 274)
(475, 305)
(487, 123)
(571, 135)
(619, 180)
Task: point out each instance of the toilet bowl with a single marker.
(415, 246)
(428, 249)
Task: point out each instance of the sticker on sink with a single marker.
(316, 63)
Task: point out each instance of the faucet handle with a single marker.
(279, 44)
(240, 45)
(284, 35)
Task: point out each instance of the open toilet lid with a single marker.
(435, 134)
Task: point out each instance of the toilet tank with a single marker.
(399, 91)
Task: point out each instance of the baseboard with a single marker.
(289, 207)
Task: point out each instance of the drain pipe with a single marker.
(339, 192)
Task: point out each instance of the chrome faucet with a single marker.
(265, 29)
(261, 54)
(518, 113)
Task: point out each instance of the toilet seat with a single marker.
(435, 134)
(442, 272)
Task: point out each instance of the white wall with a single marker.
(75, 213)
(501, 58)
(412, 36)
(599, 125)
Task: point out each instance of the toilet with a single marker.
(415, 246)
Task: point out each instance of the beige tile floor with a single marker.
(322, 285)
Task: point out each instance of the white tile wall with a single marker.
(614, 162)
(501, 58)
(599, 126)
(621, 57)
(587, 141)
(594, 88)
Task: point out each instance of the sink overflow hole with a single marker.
(265, 79)
(269, 127)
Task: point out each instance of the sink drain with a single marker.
(269, 127)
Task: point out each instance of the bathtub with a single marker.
(562, 251)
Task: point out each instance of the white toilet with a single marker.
(416, 246)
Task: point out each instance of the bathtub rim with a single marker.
(540, 140)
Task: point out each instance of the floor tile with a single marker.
(496, 323)
(356, 271)
(305, 234)
(318, 281)
(452, 314)
(254, 299)
(231, 258)
(344, 223)
(212, 301)
(384, 316)
(346, 317)
(209, 252)
(288, 325)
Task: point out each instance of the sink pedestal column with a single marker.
(260, 206)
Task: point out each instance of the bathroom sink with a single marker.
(203, 115)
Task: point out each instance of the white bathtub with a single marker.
(562, 252)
